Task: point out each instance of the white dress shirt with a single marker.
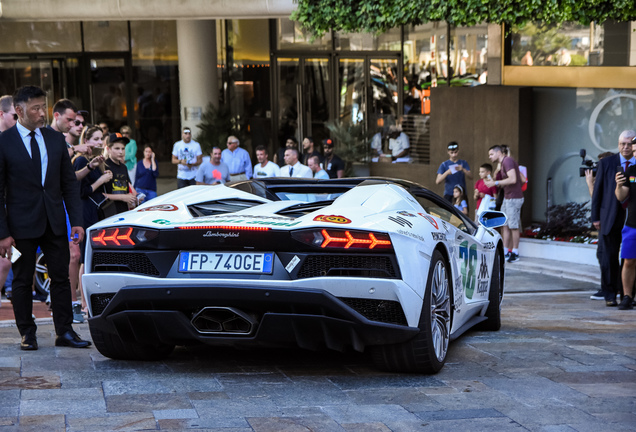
(26, 139)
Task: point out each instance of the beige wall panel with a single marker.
(105, 10)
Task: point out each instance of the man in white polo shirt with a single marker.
(265, 167)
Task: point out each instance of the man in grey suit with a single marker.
(36, 181)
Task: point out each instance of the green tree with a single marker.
(320, 16)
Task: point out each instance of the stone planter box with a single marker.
(578, 253)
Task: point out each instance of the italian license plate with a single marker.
(226, 262)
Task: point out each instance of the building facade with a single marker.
(151, 66)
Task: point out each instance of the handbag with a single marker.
(499, 201)
(105, 208)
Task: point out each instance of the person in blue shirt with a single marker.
(453, 171)
(146, 174)
(314, 165)
(237, 159)
(459, 199)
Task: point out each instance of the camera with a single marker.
(587, 164)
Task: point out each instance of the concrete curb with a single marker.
(561, 270)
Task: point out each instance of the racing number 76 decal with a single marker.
(469, 276)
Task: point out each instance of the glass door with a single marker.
(110, 99)
(303, 87)
(50, 74)
(368, 91)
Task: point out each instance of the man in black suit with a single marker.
(36, 180)
(608, 216)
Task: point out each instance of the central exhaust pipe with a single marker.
(223, 321)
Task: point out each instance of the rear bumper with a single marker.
(308, 318)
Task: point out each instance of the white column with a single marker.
(198, 78)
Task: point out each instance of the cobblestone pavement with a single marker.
(561, 362)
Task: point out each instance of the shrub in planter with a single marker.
(567, 222)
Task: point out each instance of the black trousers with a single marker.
(608, 256)
(57, 255)
(181, 183)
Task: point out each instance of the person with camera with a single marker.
(590, 173)
(608, 216)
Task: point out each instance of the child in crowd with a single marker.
(481, 190)
(459, 199)
(119, 189)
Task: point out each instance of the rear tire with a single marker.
(426, 352)
(495, 297)
(112, 346)
(42, 281)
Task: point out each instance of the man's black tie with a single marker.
(291, 171)
(35, 157)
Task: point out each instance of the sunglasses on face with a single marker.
(77, 123)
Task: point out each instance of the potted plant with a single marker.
(352, 146)
(216, 125)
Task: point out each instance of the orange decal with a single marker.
(333, 219)
(160, 207)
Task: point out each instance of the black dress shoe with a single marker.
(71, 339)
(611, 303)
(29, 343)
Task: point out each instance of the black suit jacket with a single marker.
(605, 206)
(29, 205)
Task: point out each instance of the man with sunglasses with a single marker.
(8, 117)
(74, 133)
(453, 171)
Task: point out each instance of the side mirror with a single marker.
(492, 219)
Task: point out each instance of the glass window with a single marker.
(154, 40)
(40, 37)
(106, 36)
(290, 35)
(567, 120)
(426, 55)
(155, 78)
(569, 44)
(389, 41)
(426, 65)
(246, 79)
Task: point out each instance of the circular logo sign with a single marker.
(160, 207)
(332, 219)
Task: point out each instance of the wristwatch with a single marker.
(497, 183)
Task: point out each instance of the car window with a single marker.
(446, 212)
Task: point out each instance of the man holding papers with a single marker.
(453, 171)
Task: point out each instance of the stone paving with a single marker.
(561, 362)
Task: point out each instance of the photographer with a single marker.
(609, 222)
(590, 174)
